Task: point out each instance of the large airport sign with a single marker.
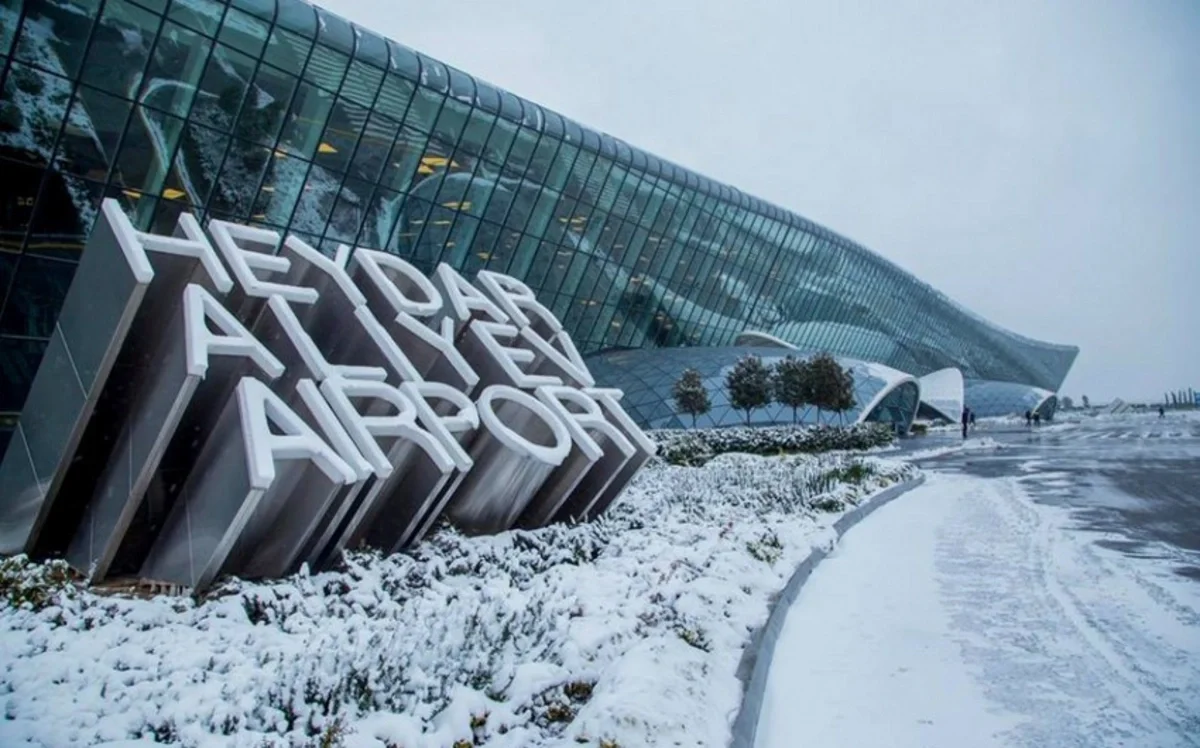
(233, 401)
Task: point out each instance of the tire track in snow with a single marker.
(1037, 650)
(1116, 648)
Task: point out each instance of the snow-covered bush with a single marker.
(620, 632)
(697, 446)
(35, 586)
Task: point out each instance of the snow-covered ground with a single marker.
(967, 614)
(623, 632)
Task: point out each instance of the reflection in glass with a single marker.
(252, 109)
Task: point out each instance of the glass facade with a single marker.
(277, 113)
(647, 376)
(990, 399)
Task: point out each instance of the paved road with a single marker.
(1040, 590)
(1135, 480)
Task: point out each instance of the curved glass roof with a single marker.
(855, 303)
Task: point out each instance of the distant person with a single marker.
(972, 420)
(966, 420)
(1161, 413)
(1028, 418)
(1037, 419)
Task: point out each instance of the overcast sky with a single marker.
(1038, 161)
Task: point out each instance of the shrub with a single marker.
(854, 472)
(767, 549)
(693, 448)
(35, 585)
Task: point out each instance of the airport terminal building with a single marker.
(276, 113)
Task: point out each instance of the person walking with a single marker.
(966, 420)
(1028, 418)
(1037, 419)
(972, 420)
(1161, 413)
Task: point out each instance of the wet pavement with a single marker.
(1133, 481)
(1040, 589)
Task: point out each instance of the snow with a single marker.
(967, 614)
(629, 629)
(974, 444)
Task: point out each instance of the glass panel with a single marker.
(18, 364)
(434, 74)
(394, 96)
(244, 166)
(264, 9)
(413, 212)
(335, 31)
(18, 196)
(521, 152)
(297, 16)
(88, 151)
(202, 151)
(487, 97)
(202, 15)
(36, 296)
(175, 68)
(321, 189)
(370, 48)
(404, 160)
(62, 214)
(32, 108)
(373, 147)
(382, 215)
(451, 121)
(423, 111)
(499, 141)
(462, 87)
(523, 255)
(262, 114)
(326, 67)
(244, 32)
(10, 15)
(526, 197)
(348, 211)
(543, 156)
(120, 45)
(146, 152)
(362, 83)
(475, 134)
(287, 50)
(281, 189)
(222, 89)
(54, 37)
(8, 266)
(340, 137)
(404, 60)
(306, 120)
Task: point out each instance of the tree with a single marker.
(790, 379)
(1085, 402)
(1067, 403)
(749, 385)
(690, 395)
(832, 385)
(844, 396)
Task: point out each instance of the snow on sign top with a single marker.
(243, 411)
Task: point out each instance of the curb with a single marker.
(755, 664)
